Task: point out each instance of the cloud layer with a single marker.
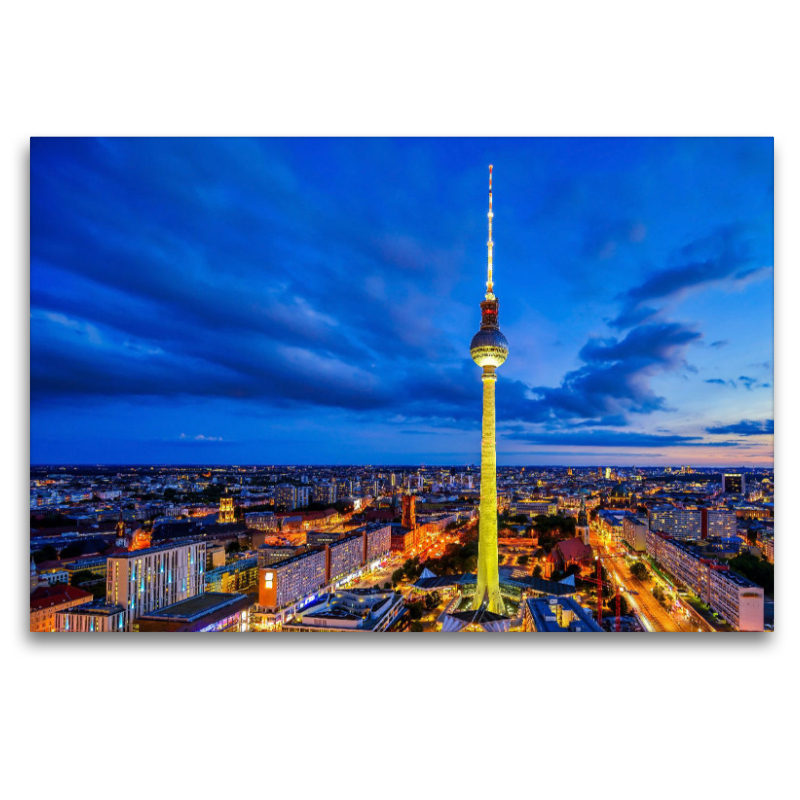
(333, 285)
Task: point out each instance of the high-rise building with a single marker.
(144, 580)
(303, 495)
(733, 484)
(286, 496)
(634, 532)
(289, 581)
(489, 349)
(325, 493)
(719, 522)
(682, 523)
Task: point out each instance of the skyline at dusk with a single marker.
(311, 301)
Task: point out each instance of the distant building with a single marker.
(377, 542)
(226, 511)
(718, 523)
(733, 484)
(409, 518)
(535, 508)
(769, 549)
(272, 554)
(286, 496)
(238, 576)
(634, 532)
(344, 557)
(122, 540)
(261, 520)
(325, 493)
(403, 540)
(582, 529)
(215, 556)
(319, 538)
(682, 523)
(54, 576)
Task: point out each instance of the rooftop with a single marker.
(128, 554)
(198, 606)
(97, 608)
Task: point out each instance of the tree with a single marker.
(415, 610)
(432, 600)
(640, 571)
(397, 576)
(233, 547)
(537, 571)
(522, 561)
(657, 593)
(760, 572)
(416, 627)
(46, 553)
(83, 576)
(72, 550)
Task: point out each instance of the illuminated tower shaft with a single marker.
(489, 349)
(488, 574)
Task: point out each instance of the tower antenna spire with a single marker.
(490, 243)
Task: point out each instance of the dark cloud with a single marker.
(614, 439)
(725, 254)
(747, 382)
(720, 382)
(747, 427)
(719, 343)
(615, 380)
(339, 279)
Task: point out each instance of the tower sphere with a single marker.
(489, 348)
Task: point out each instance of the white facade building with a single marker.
(145, 580)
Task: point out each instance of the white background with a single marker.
(261, 716)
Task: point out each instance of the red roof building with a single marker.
(47, 600)
(571, 551)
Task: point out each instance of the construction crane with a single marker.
(599, 582)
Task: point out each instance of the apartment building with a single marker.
(739, 601)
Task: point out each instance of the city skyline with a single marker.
(307, 301)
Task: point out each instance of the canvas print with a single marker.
(401, 385)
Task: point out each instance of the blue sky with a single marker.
(312, 300)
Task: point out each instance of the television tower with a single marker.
(489, 349)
